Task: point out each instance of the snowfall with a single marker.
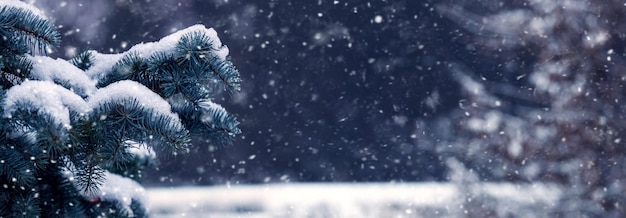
(349, 200)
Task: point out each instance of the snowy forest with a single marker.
(324, 108)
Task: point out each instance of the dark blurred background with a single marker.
(332, 91)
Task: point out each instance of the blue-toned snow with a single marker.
(346, 200)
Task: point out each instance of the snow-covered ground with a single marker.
(351, 200)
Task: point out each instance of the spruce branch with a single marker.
(215, 117)
(64, 133)
(159, 65)
(83, 60)
(57, 194)
(197, 49)
(24, 205)
(194, 47)
(39, 130)
(22, 32)
(15, 167)
(227, 73)
(129, 115)
(30, 29)
(89, 178)
(15, 70)
(130, 67)
(205, 118)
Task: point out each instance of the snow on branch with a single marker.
(46, 97)
(166, 45)
(62, 72)
(91, 123)
(112, 188)
(131, 89)
(122, 190)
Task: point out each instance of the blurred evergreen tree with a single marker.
(76, 135)
(559, 121)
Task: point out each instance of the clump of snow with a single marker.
(46, 68)
(120, 189)
(102, 64)
(45, 96)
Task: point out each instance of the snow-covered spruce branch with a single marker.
(74, 132)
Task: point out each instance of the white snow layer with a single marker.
(358, 200)
(132, 90)
(57, 101)
(47, 97)
(46, 68)
(102, 64)
(121, 189)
